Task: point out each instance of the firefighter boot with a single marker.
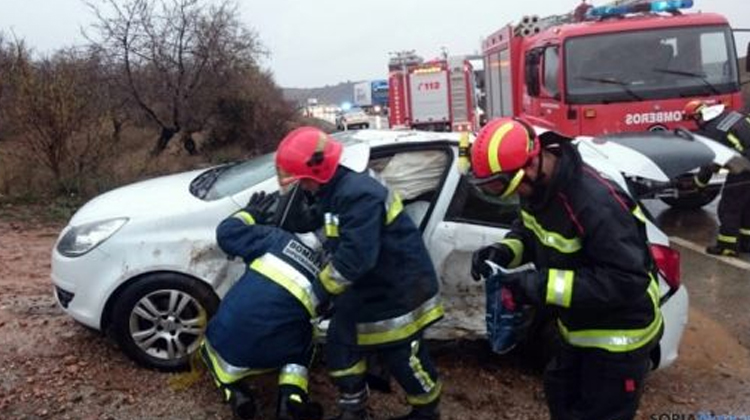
(241, 402)
(724, 249)
(293, 404)
(424, 412)
(353, 405)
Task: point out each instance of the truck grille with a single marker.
(63, 296)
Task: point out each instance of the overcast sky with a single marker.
(318, 42)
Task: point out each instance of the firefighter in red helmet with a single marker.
(381, 278)
(731, 129)
(594, 272)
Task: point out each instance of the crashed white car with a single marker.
(141, 262)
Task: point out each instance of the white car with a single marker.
(352, 119)
(141, 262)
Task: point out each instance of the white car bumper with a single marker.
(675, 312)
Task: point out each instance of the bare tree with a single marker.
(173, 55)
(57, 104)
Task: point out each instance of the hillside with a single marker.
(336, 94)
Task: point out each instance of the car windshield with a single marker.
(674, 62)
(226, 180)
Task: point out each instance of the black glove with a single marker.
(500, 254)
(259, 206)
(527, 286)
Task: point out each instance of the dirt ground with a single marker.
(53, 368)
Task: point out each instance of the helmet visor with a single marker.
(500, 185)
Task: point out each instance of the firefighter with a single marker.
(381, 277)
(264, 322)
(594, 273)
(731, 129)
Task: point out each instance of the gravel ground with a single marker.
(53, 368)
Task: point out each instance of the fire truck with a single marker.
(437, 95)
(627, 66)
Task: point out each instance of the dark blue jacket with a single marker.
(264, 320)
(379, 265)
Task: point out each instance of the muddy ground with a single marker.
(53, 368)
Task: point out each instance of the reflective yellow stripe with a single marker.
(550, 239)
(421, 375)
(560, 287)
(617, 341)
(493, 150)
(735, 142)
(513, 185)
(296, 375)
(638, 213)
(517, 247)
(393, 207)
(286, 276)
(399, 328)
(331, 225)
(245, 217)
(745, 232)
(333, 281)
(727, 239)
(224, 372)
(427, 398)
(357, 369)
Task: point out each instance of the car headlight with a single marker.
(82, 239)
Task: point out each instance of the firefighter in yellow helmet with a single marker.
(731, 129)
(594, 272)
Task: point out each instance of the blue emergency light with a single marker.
(654, 6)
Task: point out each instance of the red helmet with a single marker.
(502, 149)
(307, 153)
(693, 109)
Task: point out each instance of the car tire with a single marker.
(692, 201)
(159, 320)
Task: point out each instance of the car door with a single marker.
(459, 224)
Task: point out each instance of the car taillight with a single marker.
(668, 262)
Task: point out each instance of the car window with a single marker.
(468, 207)
(416, 176)
(234, 178)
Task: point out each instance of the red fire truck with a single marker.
(628, 67)
(438, 95)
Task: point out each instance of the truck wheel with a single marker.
(693, 200)
(158, 321)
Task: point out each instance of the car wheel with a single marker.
(692, 201)
(159, 320)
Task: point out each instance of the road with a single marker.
(53, 368)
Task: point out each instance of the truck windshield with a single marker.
(650, 64)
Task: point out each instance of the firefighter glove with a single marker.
(260, 206)
(527, 286)
(500, 254)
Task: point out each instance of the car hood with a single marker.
(158, 196)
(659, 156)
